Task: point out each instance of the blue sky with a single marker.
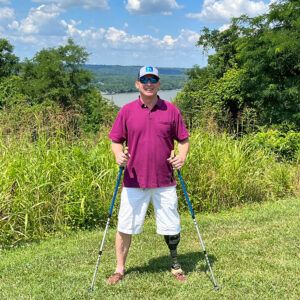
(125, 32)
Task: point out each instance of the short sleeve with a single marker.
(181, 132)
(118, 133)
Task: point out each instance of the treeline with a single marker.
(121, 79)
(125, 84)
(54, 77)
(253, 77)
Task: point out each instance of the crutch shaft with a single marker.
(197, 228)
(99, 254)
(106, 227)
(205, 254)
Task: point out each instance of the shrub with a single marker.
(285, 145)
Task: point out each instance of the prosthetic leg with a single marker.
(172, 242)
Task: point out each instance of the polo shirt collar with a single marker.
(159, 102)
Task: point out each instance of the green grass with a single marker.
(254, 251)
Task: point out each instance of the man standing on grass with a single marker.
(148, 126)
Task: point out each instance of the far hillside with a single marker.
(120, 79)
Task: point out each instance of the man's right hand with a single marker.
(122, 159)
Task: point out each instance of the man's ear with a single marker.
(137, 85)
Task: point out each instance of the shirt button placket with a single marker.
(148, 150)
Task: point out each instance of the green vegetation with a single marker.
(8, 61)
(285, 144)
(253, 78)
(254, 252)
(56, 178)
(52, 177)
(120, 79)
(223, 172)
(54, 76)
(58, 173)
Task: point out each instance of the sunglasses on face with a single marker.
(145, 80)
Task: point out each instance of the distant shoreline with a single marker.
(121, 99)
(107, 93)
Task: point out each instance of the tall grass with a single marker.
(51, 185)
(222, 172)
(59, 179)
(53, 178)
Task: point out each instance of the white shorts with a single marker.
(134, 205)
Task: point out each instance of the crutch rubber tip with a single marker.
(216, 288)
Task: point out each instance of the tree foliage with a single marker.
(8, 60)
(10, 94)
(54, 75)
(255, 68)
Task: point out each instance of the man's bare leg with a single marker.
(123, 242)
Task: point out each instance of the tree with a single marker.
(271, 58)
(10, 94)
(97, 110)
(191, 98)
(8, 61)
(57, 74)
(54, 78)
(224, 43)
(255, 67)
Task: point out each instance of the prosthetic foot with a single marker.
(172, 242)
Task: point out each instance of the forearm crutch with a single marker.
(216, 287)
(106, 227)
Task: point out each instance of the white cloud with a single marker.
(114, 35)
(43, 28)
(42, 19)
(152, 6)
(188, 37)
(154, 29)
(224, 10)
(120, 39)
(116, 45)
(14, 25)
(86, 4)
(168, 40)
(6, 13)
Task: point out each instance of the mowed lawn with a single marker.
(254, 251)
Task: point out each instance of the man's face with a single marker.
(148, 89)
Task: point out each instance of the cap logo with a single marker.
(149, 69)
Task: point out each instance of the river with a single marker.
(123, 98)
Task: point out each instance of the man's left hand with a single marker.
(177, 162)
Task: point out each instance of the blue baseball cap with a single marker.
(148, 70)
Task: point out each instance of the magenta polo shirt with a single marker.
(150, 136)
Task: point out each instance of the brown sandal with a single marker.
(114, 278)
(178, 274)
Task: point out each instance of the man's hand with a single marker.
(177, 162)
(122, 159)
